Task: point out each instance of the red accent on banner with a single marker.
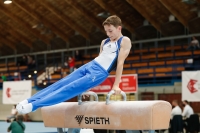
(128, 83)
(8, 92)
(191, 87)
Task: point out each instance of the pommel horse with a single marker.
(114, 115)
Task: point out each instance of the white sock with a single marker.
(27, 108)
(24, 102)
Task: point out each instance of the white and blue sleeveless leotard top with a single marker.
(109, 55)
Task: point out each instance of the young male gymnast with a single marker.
(113, 52)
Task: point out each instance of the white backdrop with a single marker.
(191, 85)
(16, 91)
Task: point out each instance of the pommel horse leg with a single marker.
(60, 130)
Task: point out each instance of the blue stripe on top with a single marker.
(114, 63)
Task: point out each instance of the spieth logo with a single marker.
(92, 120)
(79, 118)
(191, 84)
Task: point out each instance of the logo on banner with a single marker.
(92, 120)
(16, 91)
(8, 92)
(191, 87)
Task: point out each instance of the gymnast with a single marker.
(113, 52)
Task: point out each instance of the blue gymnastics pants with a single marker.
(79, 81)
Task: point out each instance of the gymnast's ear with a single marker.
(119, 28)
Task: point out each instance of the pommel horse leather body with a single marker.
(128, 115)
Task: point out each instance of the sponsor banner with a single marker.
(16, 91)
(191, 85)
(128, 84)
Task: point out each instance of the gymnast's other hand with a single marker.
(116, 89)
(86, 95)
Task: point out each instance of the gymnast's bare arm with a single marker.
(123, 53)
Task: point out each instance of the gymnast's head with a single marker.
(113, 27)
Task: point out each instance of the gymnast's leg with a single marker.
(94, 76)
(68, 79)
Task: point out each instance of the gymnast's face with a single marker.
(112, 32)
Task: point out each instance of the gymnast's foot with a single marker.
(19, 105)
(25, 109)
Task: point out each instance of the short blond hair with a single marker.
(113, 20)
